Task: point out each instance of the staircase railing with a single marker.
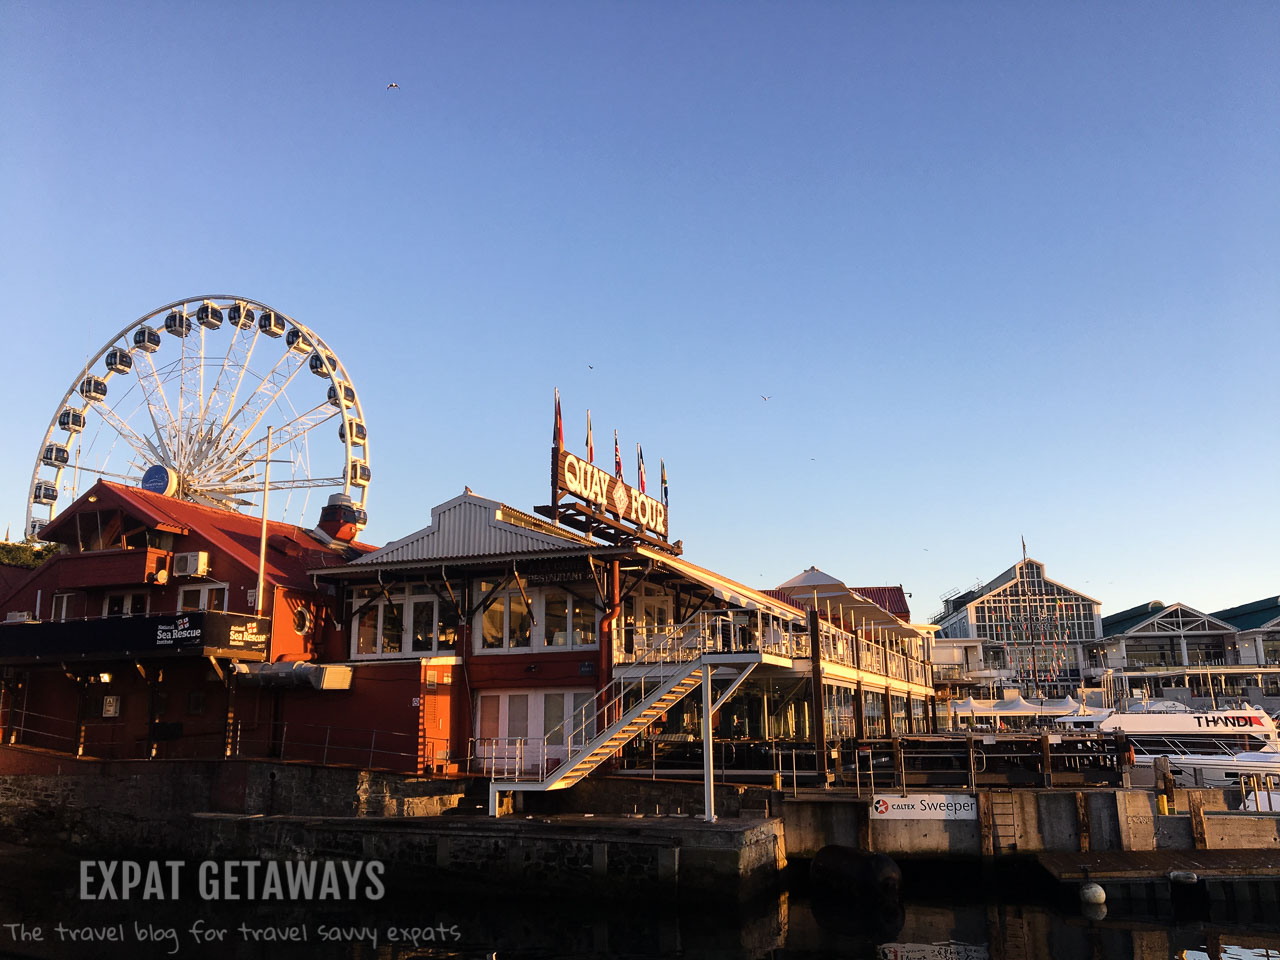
(533, 759)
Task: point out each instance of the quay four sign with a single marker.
(602, 489)
(925, 806)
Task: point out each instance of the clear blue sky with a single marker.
(1005, 269)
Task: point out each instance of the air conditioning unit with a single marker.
(190, 564)
(18, 616)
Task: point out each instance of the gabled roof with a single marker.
(956, 604)
(1177, 614)
(1248, 616)
(291, 551)
(1121, 621)
(473, 526)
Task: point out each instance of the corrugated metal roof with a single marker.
(474, 526)
(292, 551)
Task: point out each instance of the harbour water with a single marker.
(957, 918)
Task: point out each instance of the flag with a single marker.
(591, 444)
(640, 466)
(557, 432)
(1024, 548)
(617, 457)
(662, 465)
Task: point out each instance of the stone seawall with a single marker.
(587, 857)
(235, 809)
(111, 802)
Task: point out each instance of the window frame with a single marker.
(408, 596)
(537, 608)
(127, 597)
(205, 590)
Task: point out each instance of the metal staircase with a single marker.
(673, 666)
(632, 723)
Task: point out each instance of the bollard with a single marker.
(1162, 805)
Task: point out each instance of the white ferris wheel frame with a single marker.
(172, 431)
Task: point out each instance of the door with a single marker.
(653, 625)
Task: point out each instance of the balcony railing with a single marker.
(324, 744)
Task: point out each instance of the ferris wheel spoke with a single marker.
(301, 425)
(141, 445)
(244, 368)
(98, 472)
(269, 398)
(162, 429)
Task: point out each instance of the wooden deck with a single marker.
(1139, 865)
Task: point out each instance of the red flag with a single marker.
(640, 465)
(591, 444)
(617, 457)
(557, 433)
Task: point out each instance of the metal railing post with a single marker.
(373, 738)
(324, 757)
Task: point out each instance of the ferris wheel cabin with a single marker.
(297, 340)
(272, 324)
(240, 316)
(358, 432)
(119, 361)
(358, 473)
(341, 394)
(93, 388)
(178, 324)
(44, 493)
(209, 316)
(55, 455)
(71, 420)
(146, 339)
(317, 363)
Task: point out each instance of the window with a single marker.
(123, 605)
(61, 609)
(402, 622)
(564, 621)
(209, 596)
(567, 620)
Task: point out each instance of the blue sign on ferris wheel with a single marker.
(159, 479)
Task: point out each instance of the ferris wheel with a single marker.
(183, 400)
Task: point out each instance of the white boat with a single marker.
(1209, 748)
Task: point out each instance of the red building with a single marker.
(144, 637)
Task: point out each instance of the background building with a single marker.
(1032, 633)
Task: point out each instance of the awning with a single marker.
(732, 593)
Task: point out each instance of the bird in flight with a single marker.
(393, 86)
(764, 398)
(590, 366)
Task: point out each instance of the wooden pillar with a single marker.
(859, 713)
(819, 718)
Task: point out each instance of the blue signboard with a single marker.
(159, 479)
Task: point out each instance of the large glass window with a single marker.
(507, 622)
(400, 622)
